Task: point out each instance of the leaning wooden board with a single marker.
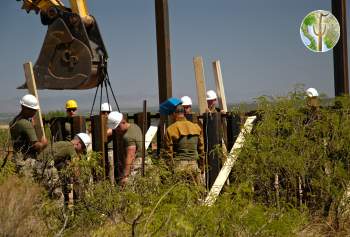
(200, 83)
(231, 159)
(219, 85)
(31, 84)
(150, 134)
(221, 99)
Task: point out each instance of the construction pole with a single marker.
(220, 90)
(200, 83)
(31, 84)
(340, 51)
(144, 128)
(163, 50)
(164, 64)
(99, 133)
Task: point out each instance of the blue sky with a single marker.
(257, 42)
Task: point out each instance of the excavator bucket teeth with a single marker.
(64, 62)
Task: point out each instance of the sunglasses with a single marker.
(71, 110)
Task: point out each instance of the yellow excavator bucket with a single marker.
(73, 55)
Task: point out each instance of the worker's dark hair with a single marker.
(179, 109)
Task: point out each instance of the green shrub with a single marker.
(307, 151)
(289, 180)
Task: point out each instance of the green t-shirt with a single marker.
(133, 137)
(23, 136)
(186, 148)
(59, 152)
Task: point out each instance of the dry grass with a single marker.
(19, 199)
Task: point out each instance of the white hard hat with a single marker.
(211, 95)
(30, 101)
(186, 100)
(105, 107)
(114, 118)
(311, 92)
(84, 138)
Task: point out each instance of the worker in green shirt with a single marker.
(53, 159)
(26, 145)
(131, 145)
(184, 146)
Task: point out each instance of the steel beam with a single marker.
(163, 50)
(340, 51)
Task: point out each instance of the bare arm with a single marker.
(109, 132)
(130, 157)
(40, 145)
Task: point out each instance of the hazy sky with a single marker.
(257, 42)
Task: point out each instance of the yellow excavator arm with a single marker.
(77, 6)
(73, 55)
(40, 5)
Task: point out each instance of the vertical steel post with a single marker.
(340, 51)
(117, 156)
(78, 125)
(212, 140)
(164, 63)
(144, 129)
(99, 134)
(163, 50)
(233, 129)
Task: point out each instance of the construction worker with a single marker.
(184, 146)
(26, 145)
(106, 108)
(312, 109)
(212, 101)
(189, 114)
(53, 159)
(131, 145)
(71, 110)
(312, 98)
(187, 104)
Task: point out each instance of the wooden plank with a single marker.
(227, 167)
(152, 131)
(200, 83)
(220, 90)
(31, 84)
(340, 51)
